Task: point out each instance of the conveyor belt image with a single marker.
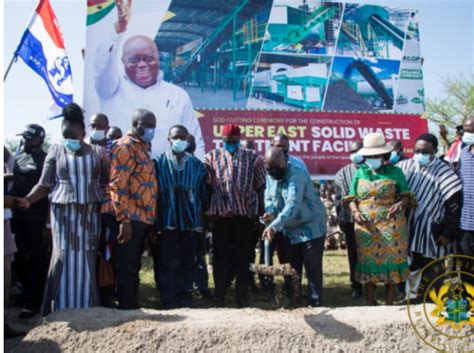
(368, 84)
(302, 30)
(373, 31)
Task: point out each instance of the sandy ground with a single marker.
(354, 329)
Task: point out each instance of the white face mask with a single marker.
(97, 135)
(373, 163)
(468, 138)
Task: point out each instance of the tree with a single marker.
(458, 103)
(12, 144)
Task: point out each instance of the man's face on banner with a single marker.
(140, 59)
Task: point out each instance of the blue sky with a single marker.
(446, 31)
(383, 68)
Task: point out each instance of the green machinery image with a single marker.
(372, 31)
(210, 48)
(309, 29)
(289, 86)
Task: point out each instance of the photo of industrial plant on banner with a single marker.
(182, 59)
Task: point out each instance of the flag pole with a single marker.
(9, 67)
(14, 58)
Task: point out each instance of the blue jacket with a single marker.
(297, 209)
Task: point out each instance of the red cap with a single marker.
(231, 130)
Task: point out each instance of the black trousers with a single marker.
(109, 230)
(465, 246)
(32, 259)
(309, 254)
(174, 262)
(233, 241)
(201, 276)
(128, 263)
(349, 231)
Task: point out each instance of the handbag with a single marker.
(106, 273)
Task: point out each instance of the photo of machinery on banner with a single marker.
(183, 58)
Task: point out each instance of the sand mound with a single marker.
(355, 329)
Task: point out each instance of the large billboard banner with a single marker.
(321, 139)
(179, 58)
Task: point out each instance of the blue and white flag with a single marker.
(42, 49)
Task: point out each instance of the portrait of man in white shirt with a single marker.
(140, 84)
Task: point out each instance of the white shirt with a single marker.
(120, 98)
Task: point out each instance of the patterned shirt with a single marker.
(235, 181)
(466, 174)
(133, 185)
(182, 194)
(343, 184)
(435, 186)
(296, 208)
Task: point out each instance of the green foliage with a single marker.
(12, 144)
(458, 103)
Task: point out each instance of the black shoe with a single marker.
(414, 301)
(220, 302)
(356, 293)
(253, 288)
(9, 332)
(206, 294)
(28, 313)
(242, 303)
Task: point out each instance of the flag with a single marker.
(42, 49)
(98, 9)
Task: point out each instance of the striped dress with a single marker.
(433, 185)
(75, 180)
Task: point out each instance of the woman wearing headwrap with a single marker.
(74, 174)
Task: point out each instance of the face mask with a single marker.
(148, 135)
(179, 146)
(97, 135)
(468, 138)
(231, 147)
(72, 145)
(422, 158)
(357, 158)
(277, 173)
(373, 164)
(394, 157)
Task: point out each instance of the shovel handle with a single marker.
(266, 249)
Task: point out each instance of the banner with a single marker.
(177, 57)
(321, 139)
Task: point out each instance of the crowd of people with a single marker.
(104, 199)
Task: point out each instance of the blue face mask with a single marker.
(468, 138)
(422, 158)
(72, 145)
(373, 163)
(148, 135)
(357, 158)
(179, 146)
(394, 157)
(231, 147)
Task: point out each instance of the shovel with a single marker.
(277, 270)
